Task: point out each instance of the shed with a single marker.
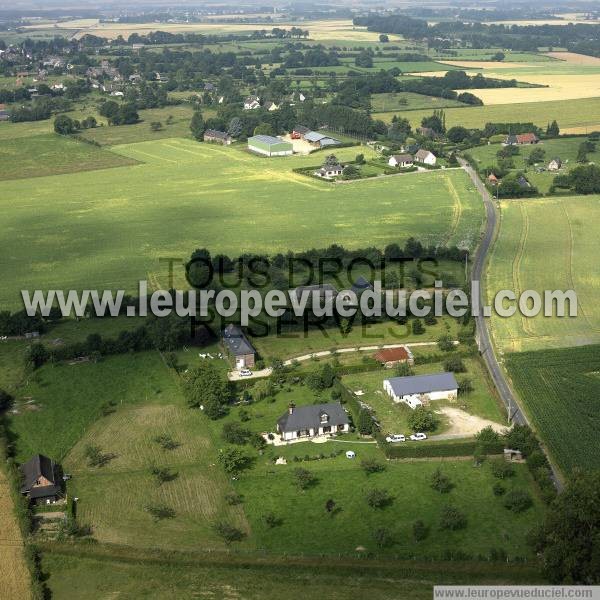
(268, 145)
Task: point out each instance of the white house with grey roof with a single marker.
(419, 389)
(305, 422)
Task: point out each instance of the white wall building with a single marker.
(416, 390)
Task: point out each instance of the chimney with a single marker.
(291, 408)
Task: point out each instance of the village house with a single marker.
(390, 357)
(400, 160)
(521, 139)
(492, 179)
(271, 106)
(251, 103)
(40, 481)
(417, 390)
(220, 137)
(330, 171)
(313, 420)
(555, 164)
(239, 347)
(426, 132)
(426, 157)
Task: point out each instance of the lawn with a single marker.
(547, 244)
(560, 389)
(563, 148)
(114, 225)
(575, 116)
(394, 417)
(52, 154)
(308, 528)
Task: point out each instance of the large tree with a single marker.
(207, 387)
(197, 125)
(569, 540)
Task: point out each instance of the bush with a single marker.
(160, 512)
(304, 478)
(422, 419)
(446, 344)
(420, 531)
(517, 501)
(441, 482)
(234, 433)
(233, 498)
(454, 364)
(272, 520)
(502, 469)
(383, 537)
(452, 519)
(378, 498)
(498, 489)
(228, 532)
(370, 465)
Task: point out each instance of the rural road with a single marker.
(486, 348)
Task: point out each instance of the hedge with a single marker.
(438, 449)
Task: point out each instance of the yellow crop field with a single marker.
(574, 58)
(547, 245)
(560, 87)
(487, 64)
(14, 575)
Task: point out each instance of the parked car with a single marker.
(245, 372)
(417, 437)
(396, 437)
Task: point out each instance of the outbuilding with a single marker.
(419, 389)
(268, 145)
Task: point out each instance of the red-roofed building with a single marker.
(390, 357)
(527, 138)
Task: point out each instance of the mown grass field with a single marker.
(14, 574)
(575, 116)
(51, 154)
(561, 391)
(109, 228)
(547, 244)
(563, 148)
(409, 101)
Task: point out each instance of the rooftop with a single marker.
(306, 417)
(423, 384)
(265, 139)
(236, 341)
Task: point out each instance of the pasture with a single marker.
(306, 525)
(409, 101)
(560, 389)
(547, 244)
(113, 226)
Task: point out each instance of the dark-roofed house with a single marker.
(213, 135)
(360, 285)
(401, 160)
(323, 294)
(40, 480)
(313, 420)
(390, 357)
(419, 389)
(329, 171)
(237, 344)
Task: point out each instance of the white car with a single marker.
(245, 372)
(417, 437)
(396, 437)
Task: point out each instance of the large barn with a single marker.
(267, 145)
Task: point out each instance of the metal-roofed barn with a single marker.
(267, 145)
(419, 389)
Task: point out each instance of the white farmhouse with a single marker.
(400, 160)
(251, 103)
(425, 157)
(313, 420)
(416, 390)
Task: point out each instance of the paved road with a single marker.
(486, 348)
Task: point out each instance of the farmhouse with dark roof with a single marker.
(40, 480)
(237, 345)
(313, 420)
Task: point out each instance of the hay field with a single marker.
(341, 29)
(574, 58)
(547, 244)
(113, 226)
(113, 498)
(14, 574)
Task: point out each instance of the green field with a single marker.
(409, 101)
(113, 226)
(561, 391)
(563, 148)
(582, 114)
(51, 154)
(547, 244)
